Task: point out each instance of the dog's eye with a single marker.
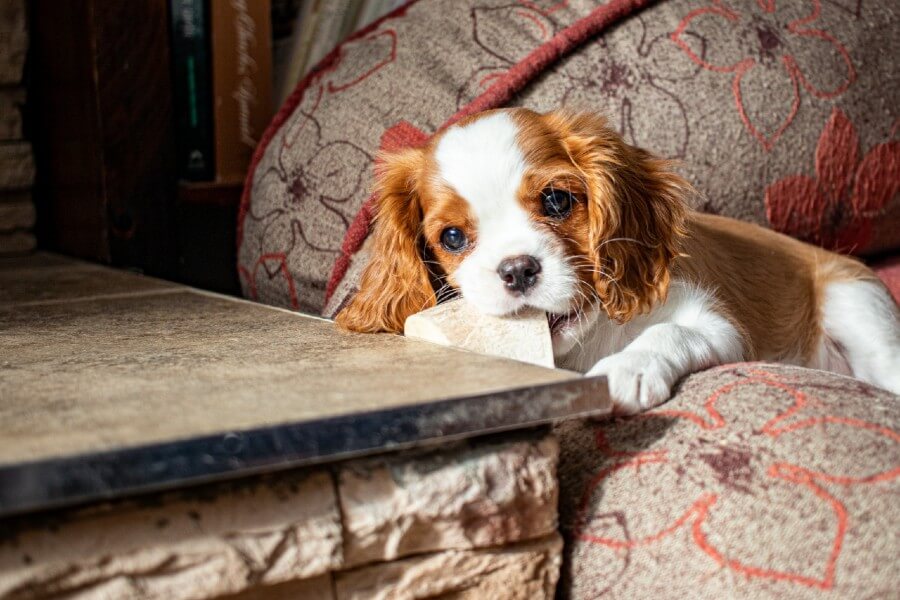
(557, 203)
(453, 239)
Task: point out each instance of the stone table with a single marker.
(160, 441)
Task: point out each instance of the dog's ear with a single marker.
(396, 282)
(636, 214)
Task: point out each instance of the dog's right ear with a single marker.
(395, 284)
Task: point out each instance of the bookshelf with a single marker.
(100, 117)
(114, 124)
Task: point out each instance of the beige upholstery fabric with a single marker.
(755, 481)
(783, 113)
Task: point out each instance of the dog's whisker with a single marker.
(627, 239)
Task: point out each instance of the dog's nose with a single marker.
(519, 273)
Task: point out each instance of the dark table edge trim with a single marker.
(61, 482)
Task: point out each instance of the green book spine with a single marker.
(192, 74)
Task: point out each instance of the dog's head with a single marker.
(513, 208)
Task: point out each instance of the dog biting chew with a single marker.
(524, 336)
(514, 210)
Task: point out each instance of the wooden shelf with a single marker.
(100, 116)
(216, 193)
(207, 246)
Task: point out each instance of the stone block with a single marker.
(317, 588)
(202, 544)
(13, 41)
(11, 101)
(16, 243)
(524, 571)
(16, 211)
(16, 166)
(474, 496)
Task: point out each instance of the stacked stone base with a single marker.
(477, 520)
(17, 170)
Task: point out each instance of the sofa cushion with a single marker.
(783, 113)
(754, 481)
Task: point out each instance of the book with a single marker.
(241, 82)
(192, 103)
(11, 101)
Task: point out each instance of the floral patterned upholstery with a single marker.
(755, 481)
(783, 113)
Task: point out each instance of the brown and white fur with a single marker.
(637, 287)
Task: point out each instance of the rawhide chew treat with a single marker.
(524, 336)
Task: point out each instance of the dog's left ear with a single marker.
(636, 213)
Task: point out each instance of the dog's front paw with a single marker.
(638, 380)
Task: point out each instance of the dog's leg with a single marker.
(684, 335)
(861, 320)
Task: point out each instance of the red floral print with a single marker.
(274, 268)
(324, 173)
(534, 26)
(753, 468)
(368, 55)
(837, 208)
(765, 58)
(631, 83)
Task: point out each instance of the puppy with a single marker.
(511, 208)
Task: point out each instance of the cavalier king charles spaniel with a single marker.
(511, 209)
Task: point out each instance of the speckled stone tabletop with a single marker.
(112, 383)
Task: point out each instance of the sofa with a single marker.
(754, 480)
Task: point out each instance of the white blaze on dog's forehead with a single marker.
(483, 163)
